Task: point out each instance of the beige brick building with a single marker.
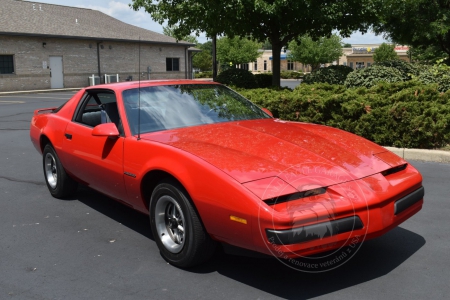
(264, 63)
(46, 46)
(358, 56)
(361, 55)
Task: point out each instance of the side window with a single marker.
(89, 112)
(98, 108)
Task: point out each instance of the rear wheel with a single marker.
(58, 182)
(176, 226)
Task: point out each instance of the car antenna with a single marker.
(139, 89)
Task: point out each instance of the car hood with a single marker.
(257, 149)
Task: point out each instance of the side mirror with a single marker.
(106, 129)
(267, 111)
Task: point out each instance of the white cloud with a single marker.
(367, 38)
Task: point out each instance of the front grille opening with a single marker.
(296, 196)
(394, 170)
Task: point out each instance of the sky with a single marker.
(120, 10)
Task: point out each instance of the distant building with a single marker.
(361, 55)
(264, 63)
(358, 56)
(46, 46)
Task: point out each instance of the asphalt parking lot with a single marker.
(91, 247)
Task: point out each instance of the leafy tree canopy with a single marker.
(278, 21)
(418, 23)
(170, 31)
(346, 45)
(426, 54)
(237, 50)
(202, 61)
(385, 52)
(316, 52)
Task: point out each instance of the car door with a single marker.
(96, 161)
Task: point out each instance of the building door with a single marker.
(56, 72)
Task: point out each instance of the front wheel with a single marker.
(177, 228)
(58, 182)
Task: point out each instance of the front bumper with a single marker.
(335, 227)
(381, 212)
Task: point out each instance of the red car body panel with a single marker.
(229, 168)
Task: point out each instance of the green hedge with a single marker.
(237, 77)
(205, 74)
(406, 114)
(373, 75)
(330, 74)
(291, 74)
(263, 80)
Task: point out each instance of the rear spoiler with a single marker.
(44, 110)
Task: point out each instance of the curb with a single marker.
(422, 154)
(39, 91)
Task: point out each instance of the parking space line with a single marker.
(10, 102)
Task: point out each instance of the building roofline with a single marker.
(94, 38)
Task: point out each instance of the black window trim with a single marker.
(167, 66)
(13, 56)
(92, 93)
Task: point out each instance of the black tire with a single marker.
(170, 208)
(58, 182)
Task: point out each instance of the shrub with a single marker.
(370, 76)
(291, 74)
(263, 80)
(331, 75)
(407, 69)
(404, 114)
(205, 74)
(438, 74)
(237, 77)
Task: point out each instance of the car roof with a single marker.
(121, 86)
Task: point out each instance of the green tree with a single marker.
(278, 21)
(314, 53)
(346, 45)
(267, 45)
(202, 60)
(418, 23)
(426, 54)
(237, 50)
(385, 52)
(170, 31)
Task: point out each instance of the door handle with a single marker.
(68, 136)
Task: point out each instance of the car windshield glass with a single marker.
(176, 106)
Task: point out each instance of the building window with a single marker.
(265, 65)
(368, 64)
(244, 66)
(6, 64)
(351, 64)
(345, 63)
(255, 66)
(290, 65)
(359, 64)
(172, 64)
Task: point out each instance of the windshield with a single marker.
(176, 106)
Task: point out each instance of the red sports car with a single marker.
(209, 166)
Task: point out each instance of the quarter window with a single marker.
(172, 64)
(6, 64)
